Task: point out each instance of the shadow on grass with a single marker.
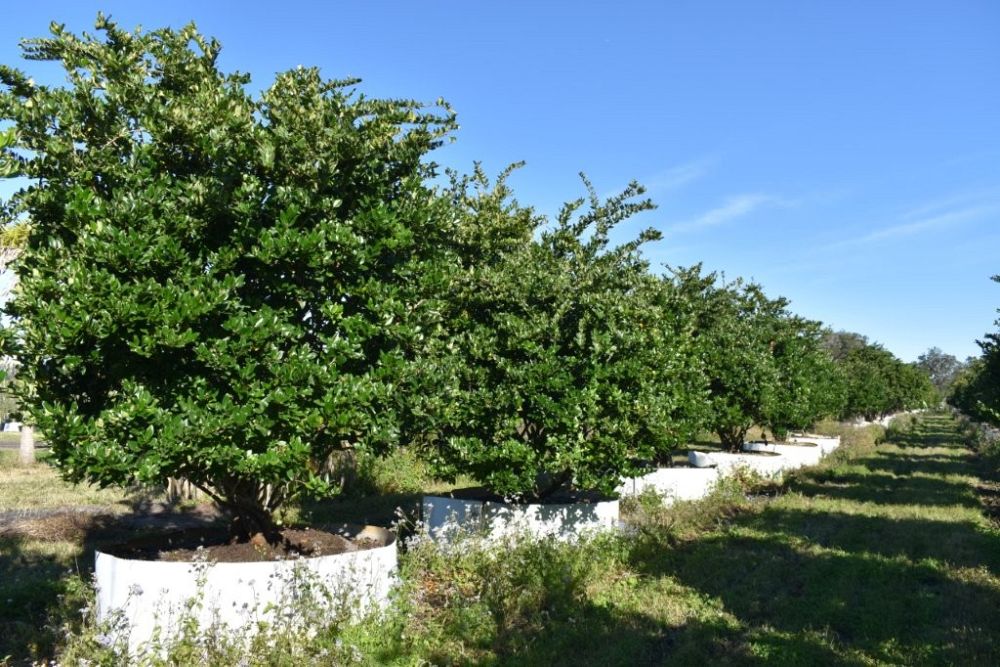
(874, 586)
(885, 489)
(46, 566)
(601, 637)
(950, 543)
(908, 465)
(889, 610)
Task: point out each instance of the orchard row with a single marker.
(232, 287)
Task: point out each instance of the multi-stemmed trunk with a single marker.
(548, 484)
(251, 506)
(732, 437)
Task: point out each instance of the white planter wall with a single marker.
(673, 483)
(826, 443)
(800, 456)
(448, 518)
(885, 421)
(697, 481)
(144, 595)
(765, 466)
(758, 446)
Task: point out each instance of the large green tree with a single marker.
(222, 286)
(809, 383)
(879, 384)
(941, 367)
(13, 238)
(566, 364)
(735, 330)
(976, 391)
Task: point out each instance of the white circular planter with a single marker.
(800, 456)
(673, 483)
(447, 519)
(758, 446)
(826, 443)
(701, 460)
(140, 598)
(765, 466)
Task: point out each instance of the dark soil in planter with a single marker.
(561, 497)
(797, 444)
(214, 546)
(759, 453)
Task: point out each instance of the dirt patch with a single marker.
(213, 545)
(61, 527)
(80, 523)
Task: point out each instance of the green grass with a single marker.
(882, 555)
(39, 486)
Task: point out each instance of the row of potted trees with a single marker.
(235, 288)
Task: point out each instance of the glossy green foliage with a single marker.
(568, 360)
(809, 386)
(879, 384)
(10, 164)
(735, 329)
(976, 391)
(764, 365)
(218, 286)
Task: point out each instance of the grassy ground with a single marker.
(39, 486)
(45, 561)
(882, 555)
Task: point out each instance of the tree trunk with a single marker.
(548, 484)
(732, 438)
(179, 490)
(27, 445)
(251, 519)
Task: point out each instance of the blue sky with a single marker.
(843, 154)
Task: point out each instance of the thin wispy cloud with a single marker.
(678, 176)
(733, 208)
(940, 221)
(934, 216)
(960, 200)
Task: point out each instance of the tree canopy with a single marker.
(879, 384)
(232, 287)
(566, 360)
(941, 367)
(976, 390)
(221, 286)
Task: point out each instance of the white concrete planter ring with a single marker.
(447, 518)
(826, 443)
(766, 466)
(141, 597)
(757, 446)
(701, 460)
(800, 456)
(673, 483)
